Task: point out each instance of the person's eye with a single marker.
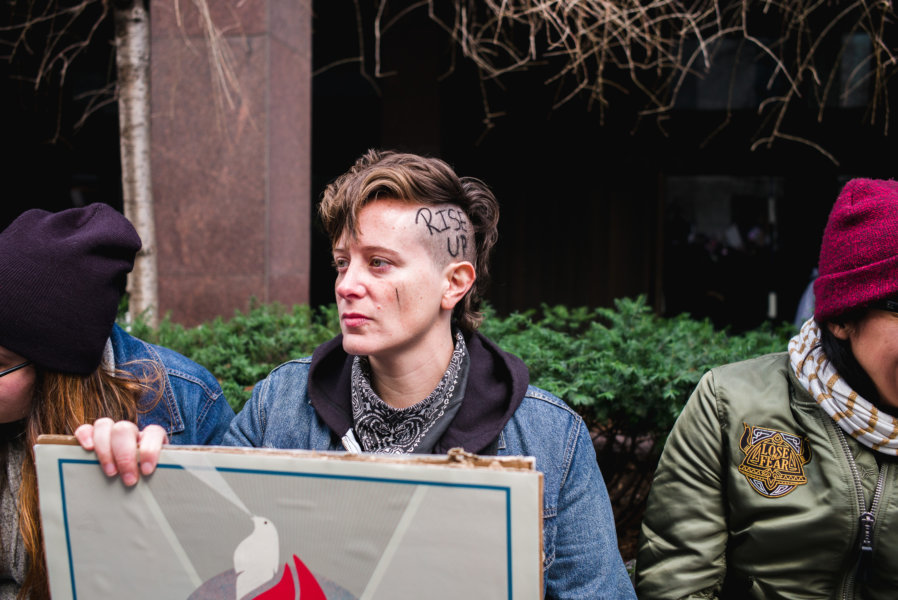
(379, 263)
(340, 264)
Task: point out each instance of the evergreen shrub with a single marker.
(242, 350)
(625, 370)
(624, 367)
(621, 367)
(628, 373)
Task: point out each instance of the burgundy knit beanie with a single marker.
(859, 254)
(61, 278)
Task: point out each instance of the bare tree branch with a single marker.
(54, 32)
(649, 49)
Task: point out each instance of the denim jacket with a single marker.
(192, 409)
(581, 558)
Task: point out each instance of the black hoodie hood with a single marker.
(497, 382)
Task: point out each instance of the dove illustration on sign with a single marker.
(256, 559)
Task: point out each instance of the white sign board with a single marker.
(215, 523)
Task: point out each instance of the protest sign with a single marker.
(215, 523)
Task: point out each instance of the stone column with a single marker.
(231, 164)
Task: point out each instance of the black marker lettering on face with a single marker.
(447, 220)
(426, 215)
(461, 245)
(442, 214)
(398, 302)
(458, 218)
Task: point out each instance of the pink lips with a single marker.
(353, 319)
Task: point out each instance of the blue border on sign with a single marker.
(505, 489)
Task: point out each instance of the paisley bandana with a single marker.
(381, 428)
(856, 416)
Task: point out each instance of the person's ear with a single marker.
(460, 277)
(840, 330)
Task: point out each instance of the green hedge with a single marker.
(242, 350)
(624, 369)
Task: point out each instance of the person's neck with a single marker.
(404, 380)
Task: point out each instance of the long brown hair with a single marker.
(62, 402)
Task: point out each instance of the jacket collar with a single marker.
(497, 383)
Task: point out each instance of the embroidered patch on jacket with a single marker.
(774, 460)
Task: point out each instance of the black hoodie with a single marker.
(497, 382)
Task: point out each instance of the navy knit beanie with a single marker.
(61, 278)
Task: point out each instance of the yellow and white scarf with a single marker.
(856, 416)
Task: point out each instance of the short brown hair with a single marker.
(381, 175)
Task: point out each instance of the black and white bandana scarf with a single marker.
(382, 428)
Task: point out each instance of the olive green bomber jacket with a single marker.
(754, 497)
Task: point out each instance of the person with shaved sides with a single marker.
(410, 373)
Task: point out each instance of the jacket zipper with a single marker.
(867, 518)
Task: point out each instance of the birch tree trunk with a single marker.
(132, 45)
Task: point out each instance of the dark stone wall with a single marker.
(231, 181)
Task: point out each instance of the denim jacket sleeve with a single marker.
(585, 532)
(582, 559)
(279, 415)
(248, 427)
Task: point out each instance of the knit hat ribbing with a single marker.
(61, 278)
(859, 253)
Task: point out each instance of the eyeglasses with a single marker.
(15, 368)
